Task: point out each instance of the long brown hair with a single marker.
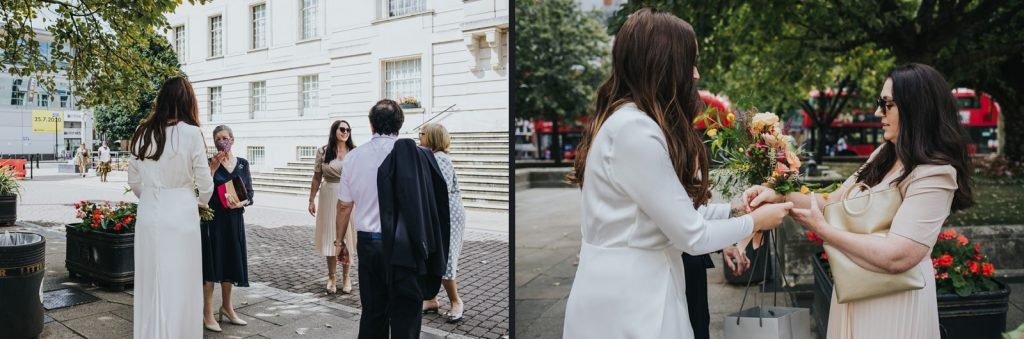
(175, 102)
(652, 66)
(929, 132)
(331, 149)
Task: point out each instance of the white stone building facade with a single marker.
(279, 72)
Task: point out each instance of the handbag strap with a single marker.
(773, 247)
(846, 198)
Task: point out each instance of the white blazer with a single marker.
(637, 221)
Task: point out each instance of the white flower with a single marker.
(762, 121)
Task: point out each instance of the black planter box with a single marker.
(978, 316)
(106, 259)
(8, 209)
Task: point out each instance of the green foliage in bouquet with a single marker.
(752, 150)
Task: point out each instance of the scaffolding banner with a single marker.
(47, 121)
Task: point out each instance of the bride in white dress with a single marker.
(168, 166)
(644, 165)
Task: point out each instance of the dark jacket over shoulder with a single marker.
(414, 216)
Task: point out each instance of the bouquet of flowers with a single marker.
(959, 265)
(753, 151)
(106, 218)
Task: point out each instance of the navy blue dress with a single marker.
(224, 253)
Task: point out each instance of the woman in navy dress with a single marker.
(224, 254)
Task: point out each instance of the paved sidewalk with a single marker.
(287, 277)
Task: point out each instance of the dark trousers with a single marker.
(695, 268)
(394, 305)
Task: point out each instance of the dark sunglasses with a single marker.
(345, 129)
(884, 104)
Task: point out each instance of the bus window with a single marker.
(967, 102)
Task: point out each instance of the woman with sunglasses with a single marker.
(328, 170)
(924, 155)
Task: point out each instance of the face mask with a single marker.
(224, 145)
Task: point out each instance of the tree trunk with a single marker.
(819, 143)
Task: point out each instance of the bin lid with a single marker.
(19, 239)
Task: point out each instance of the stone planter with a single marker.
(8, 209)
(980, 315)
(103, 258)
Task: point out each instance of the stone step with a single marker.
(478, 147)
(485, 205)
(480, 174)
(479, 189)
(483, 197)
(458, 153)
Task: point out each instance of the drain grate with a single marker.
(66, 297)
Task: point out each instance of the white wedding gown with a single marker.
(168, 259)
(637, 220)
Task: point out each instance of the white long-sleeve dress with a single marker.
(168, 256)
(637, 220)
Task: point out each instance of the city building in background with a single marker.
(34, 121)
(280, 72)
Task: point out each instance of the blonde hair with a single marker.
(437, 138)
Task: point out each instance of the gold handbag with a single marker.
(867, 214)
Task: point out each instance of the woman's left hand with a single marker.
(239, 204)
(811, 218)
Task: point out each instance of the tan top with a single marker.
(927, 198)
(332, 171)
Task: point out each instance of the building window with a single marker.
(310, 19)
(255, 155)
(403, 7)
(63, 101)
(257, 98)
(17, 93)
(179, 43)
(259, 26)
(305, 153)
(402, 78)
(310, 94)
(43, 100)
(216, 42)
(214, 102)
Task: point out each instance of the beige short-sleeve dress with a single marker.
(327, 210)
(927, 198)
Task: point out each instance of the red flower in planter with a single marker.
(814, 237)
(977, 248)
(117, 227)
(824, 256)
(961, 240)
(973, 266)
(987, 269)
(947, 234)
(945, 260)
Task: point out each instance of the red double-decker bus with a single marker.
(862, 130)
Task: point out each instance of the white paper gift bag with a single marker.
(769, 322)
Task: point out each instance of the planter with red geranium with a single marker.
(101, 247)
(972, 304)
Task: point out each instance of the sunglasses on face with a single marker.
(344, 129)
(884, 104)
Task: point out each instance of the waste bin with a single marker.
(22, 265)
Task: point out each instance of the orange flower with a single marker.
(947, 234)
(987, 269)
(961, 240)
(945, 260)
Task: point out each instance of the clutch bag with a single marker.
(872, 214)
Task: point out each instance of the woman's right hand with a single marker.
(756, 195)
(312, 209)
(769, 216)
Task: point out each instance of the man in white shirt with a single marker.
(389, 295)
(104, 168)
